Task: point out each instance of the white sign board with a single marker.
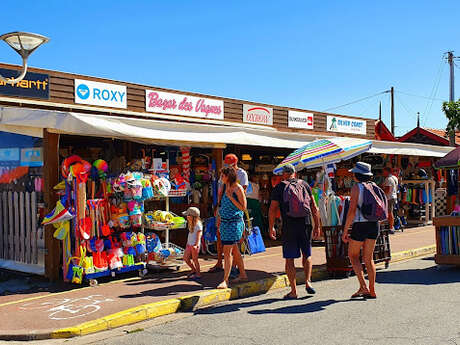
(103, 94)
(177, 104)
(299, 119)
(346, 125)
(257, 114)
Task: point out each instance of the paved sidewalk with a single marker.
(39, 312)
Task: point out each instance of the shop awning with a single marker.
(33, 121)
(147, 131)
(410, 149)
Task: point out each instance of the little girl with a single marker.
(192, 250)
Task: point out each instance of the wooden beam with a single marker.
(51, 178)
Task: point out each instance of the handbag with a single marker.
(255, 241)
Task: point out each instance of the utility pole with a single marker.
(450, 60)
(392, 92)
(380, 111)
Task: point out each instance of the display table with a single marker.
(447, 240)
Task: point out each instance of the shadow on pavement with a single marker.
(229, 308)
(302, 308)
(179, 284)
(426, 276)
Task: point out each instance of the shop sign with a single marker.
(102, 94)
(346, 125)
(34, 85)
(9, 155)
(300, 119)
(264, 168)
(257, 114)
(32, 157)
(185, 105)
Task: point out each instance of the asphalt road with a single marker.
(418, 303)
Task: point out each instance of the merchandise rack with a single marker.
(337, 252)
(428, 213)
(177, 262)
(447, 248)
(92, 277)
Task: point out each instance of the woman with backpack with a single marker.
(368, 206)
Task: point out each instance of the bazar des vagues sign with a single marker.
(185, 105)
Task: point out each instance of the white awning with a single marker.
(148, 131)
(410, 149)
(33, 121)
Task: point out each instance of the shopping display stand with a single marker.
(337, 260)
(92, 278)
(447, 230)
(177, 260)
(429, 211)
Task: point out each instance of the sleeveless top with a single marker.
(231, 220)
(359, 215)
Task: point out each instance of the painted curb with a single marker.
(191, 302)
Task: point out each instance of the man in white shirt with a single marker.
(390, 186)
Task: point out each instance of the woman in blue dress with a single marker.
(232, 224)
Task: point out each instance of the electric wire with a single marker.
(356, 101)
(414, 95)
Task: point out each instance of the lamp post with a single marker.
(24, 44)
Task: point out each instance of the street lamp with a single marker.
(24, 44)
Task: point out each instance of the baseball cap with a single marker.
(192, 211)
(230, 159)
(288, 169)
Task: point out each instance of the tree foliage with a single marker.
(452, 112)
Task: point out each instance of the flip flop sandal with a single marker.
(369, 296)
(358, 294)
(289, 297)
(221, 286)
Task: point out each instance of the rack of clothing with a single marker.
(416, 197)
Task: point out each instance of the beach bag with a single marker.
(375, 204)
(210, 232)
(297, 197)
(255, 241)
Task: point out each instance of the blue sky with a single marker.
(308, 54)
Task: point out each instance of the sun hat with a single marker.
(230, 159)
(192, 211)
(362, 168)
(288, 169)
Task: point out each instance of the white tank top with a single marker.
(359, 215)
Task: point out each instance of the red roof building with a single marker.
(382, 132)
(429, 136)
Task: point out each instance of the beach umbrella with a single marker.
(324, 151)
(449, 161)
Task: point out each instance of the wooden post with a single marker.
(218, 156)
(51, 178)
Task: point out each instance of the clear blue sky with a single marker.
(307, 54)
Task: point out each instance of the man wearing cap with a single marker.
(297, 231)
(230, 160)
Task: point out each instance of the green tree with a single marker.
(452, 112)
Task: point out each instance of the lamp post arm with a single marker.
(18, 79)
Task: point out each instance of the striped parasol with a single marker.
(324, 151)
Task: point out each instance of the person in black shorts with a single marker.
(296, 233)
(363, 233)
